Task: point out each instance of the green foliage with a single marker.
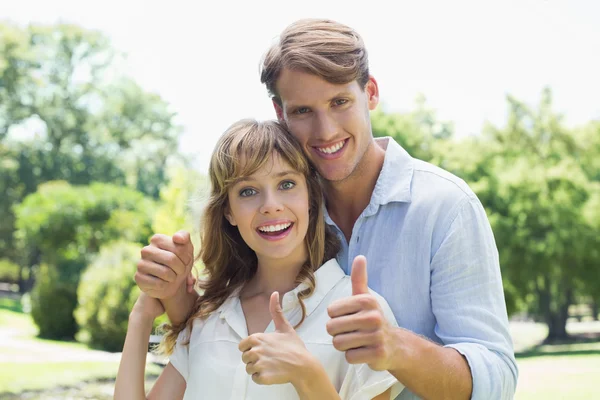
(540, 184)
(67, 225)
(107, 293)
(9, 271)
(179, 201)
(418, 132)
(52, 305)
(68, 113)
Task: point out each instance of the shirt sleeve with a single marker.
(180, 358)
(360, 381)
(468, 302)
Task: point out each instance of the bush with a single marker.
(52, 304)
(106, 294)
(9, 271)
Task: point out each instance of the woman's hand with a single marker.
(277, 357)
(147, 308)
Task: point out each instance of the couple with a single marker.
(431, 256)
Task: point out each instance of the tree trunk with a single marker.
(556, 319)
(595, 311)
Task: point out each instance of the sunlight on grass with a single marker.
(559, 377)
(17, 377)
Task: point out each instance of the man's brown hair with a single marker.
(328, 49)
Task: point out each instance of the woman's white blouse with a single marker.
(212, 363)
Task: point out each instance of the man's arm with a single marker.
(164, 272)
(477, 359)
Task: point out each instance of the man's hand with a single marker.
(277, 357)
(358, 325)
(166, 265)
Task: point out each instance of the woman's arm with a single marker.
(312, 381)
(130, 378)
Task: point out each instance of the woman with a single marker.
(262, 234)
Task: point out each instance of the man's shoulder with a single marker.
(433, 180)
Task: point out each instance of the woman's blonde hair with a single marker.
(228, 261)
(328, 49)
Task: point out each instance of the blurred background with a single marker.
(109, 112)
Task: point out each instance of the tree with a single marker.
(67, 113)
(65, 226)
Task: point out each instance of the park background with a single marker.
(109, 112)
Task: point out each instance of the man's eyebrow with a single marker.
(344, 93)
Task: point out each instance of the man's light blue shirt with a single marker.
(432, 255)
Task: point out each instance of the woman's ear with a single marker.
(230, 217)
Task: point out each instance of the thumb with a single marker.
(181, 237)
(358, 276)
(281, 323)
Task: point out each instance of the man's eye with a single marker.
(287, 185)
(302, 110)
(247, 192)
(340, 102)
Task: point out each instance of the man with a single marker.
(426, 236)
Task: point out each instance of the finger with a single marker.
(355, 340)
(185, 253)
(364, 322)
(148, 283)
(249, 356)
(359, 276)
(281, 323)
(162, 272)
(352, 305)
(191, 281)
(182, 238)
(250, 342)
(164, 257)
(251, 368)
(362, 355)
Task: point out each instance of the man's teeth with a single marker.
(274, 228)
(331, 149)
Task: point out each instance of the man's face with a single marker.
(330, 121)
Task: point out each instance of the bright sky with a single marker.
(464, 56)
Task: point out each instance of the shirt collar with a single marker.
(394, 180)
(326, 277)
(393, 183)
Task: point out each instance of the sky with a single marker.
(463, 56)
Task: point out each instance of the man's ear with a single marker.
(372, 91)
(278, 109)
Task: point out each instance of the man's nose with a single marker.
(325, 127)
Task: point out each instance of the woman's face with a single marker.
(271, 210)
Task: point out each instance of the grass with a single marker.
(556, 372)
(18, 377)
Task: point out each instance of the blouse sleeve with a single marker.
(180, 356)
(363, 383)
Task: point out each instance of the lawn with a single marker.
(46, 369)
(553, 372)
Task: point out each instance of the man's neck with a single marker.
(347, 199)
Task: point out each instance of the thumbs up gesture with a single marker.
(358, 325)
(276, 357)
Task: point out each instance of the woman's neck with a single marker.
(274, 275)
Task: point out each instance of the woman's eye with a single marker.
(247, 192)
(287, 185)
